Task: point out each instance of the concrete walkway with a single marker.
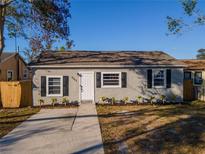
(86, 131)
(56, 131)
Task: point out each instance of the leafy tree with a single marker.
(41, 21)
(201, 54)
(179, 25)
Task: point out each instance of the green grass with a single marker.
(10, 118)
(153, 129)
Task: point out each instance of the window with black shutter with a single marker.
(111, 80)
(54, 86)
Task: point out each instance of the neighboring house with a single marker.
(13, 67)
(89, 75)
(195, 72)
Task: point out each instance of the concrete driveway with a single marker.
(56, 131)
(46, 132)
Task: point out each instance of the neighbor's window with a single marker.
(198, 78)
(187, 75)
(25, 74)
(158, 78)
(54, 86)
(9, 75)
(111, 79)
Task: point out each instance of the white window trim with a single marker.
(12, 74)
(165, 77)
(116, 86)
(61, 84)
(195, 84)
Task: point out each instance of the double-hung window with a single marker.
(159, 78)
(54, 85)
(111, 79)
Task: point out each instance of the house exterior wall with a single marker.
(11, 64)
(136, 84)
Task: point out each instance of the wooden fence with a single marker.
(16, 94)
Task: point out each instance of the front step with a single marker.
(86, 101)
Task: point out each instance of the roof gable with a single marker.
(5, 55)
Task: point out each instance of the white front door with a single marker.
(87, 86)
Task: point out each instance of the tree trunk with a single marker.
(2, 21)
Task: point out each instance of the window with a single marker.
(187, 75)
(25, 74)
(111, 79)
(54, 86)
(159, 78)
(9, 75)
(198, 78)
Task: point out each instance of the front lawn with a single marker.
(153, 129)
(10, 118)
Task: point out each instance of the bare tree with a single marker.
(35, 19)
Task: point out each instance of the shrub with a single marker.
(65, 100)
(138, 99)
(53, 100)
(174, 98)
(41, 101)
(103, 98)
(162, 98)
(151, 99)
(113, 100)
(125, 99)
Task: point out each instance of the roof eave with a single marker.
(101, 66)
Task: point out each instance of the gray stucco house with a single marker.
(90, 75)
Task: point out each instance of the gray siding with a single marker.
(136, 84)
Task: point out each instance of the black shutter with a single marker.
(149, 78)
(168, 78)
(98, 79)
(124, 79)
(43, 86)
(65, 86)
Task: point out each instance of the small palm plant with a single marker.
(151, 99)
(174, 98)
(125, 100)
(163, 97)
(41, 101)
(53, 100)
(65, 100)
(113, 100)
(138, 99)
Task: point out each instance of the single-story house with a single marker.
(195, 72)
(90, 75)
(13, 67)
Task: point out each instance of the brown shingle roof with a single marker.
(105, 58)
(194, 64)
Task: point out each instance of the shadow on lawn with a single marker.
(185, 135)
(186, 132)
